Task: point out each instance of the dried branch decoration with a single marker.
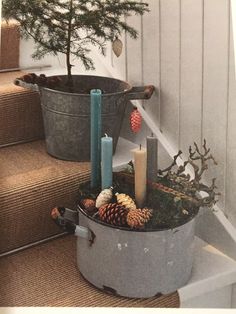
(192, 187)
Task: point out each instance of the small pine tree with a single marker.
(69, 26)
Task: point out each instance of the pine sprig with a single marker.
(70, 26)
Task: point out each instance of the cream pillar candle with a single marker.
(140, 175)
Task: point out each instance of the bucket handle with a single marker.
(67, 219)
(140, 92)
(32, 87)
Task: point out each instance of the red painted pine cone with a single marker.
(135, 121)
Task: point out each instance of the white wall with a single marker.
(186, 50)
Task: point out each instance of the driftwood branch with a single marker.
(193, 187)
(172, 165)
(202, 157)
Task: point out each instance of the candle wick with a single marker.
(106, 135)
(152, 134)
(140, 146)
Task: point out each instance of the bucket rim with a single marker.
(175, 229)
(51, 90)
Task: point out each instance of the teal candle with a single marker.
(106, 161)
(95, 136)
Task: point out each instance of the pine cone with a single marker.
(135, 120)
(117, 47)
(104, 197)
(28, 78)
(89, 205)
(113, 214)
(41, 80)
(136, 218)
(52, 82)
(125, 200)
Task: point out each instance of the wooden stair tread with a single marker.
(31, 184)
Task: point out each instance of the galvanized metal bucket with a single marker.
(132, 263)
(67, 115)
(137, 264)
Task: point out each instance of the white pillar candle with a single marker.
(140, 177)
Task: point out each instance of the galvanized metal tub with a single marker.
(137, 264)
(67, 115)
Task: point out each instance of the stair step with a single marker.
(10, 46)
(46, 276)
(31, 184)
(7, 78)
(20, 112)
(58, 282)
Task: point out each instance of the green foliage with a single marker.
(71, 26)
(167, 211)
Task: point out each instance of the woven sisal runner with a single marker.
(46, 275)
(20, 115)
(20, 112)
(31, 184)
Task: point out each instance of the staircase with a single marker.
(37, 261)
(31, 182)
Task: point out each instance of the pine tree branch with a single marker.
(59, 25)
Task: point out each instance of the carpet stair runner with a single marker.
(31, 184)
(20, 112)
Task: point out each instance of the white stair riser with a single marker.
(234, 296)
(220, 298)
